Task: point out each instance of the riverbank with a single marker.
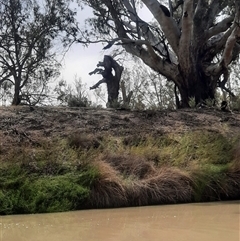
(61, 159)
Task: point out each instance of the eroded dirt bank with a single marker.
(20, 124)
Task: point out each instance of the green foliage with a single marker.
(74, 101)
(199, 148)
(51, 179)
(42, 194)
(195, 148)
(210, 102)
(27, 33)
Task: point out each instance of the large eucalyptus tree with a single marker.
(191, 42)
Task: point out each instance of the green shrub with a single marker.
(50, 180)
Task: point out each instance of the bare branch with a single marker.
(214, 9)
(222, 83)
(98, 83)
(167, 23)
(220, 27)
(232, 39)
(96, 71)
(146, 31)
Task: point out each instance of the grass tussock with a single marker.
(83, 171)
(165, 187)
(216, 183)
(108, 189)
(113, 189)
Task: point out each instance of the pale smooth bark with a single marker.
(229, 39)
(143, 31)
(232, 39)
(167, 23)
(185, 50)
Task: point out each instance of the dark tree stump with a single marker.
(112, 80)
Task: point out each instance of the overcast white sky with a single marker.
(79, 60)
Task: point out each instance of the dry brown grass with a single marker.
(132, 182)
(128, 179)
(232, 182)
(131, 165)
(108, 190)
(236, 157)
(118, 158)
(165, 186)
(83, 141)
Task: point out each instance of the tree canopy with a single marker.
(190, 42)
(29, 32)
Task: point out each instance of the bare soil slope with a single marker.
(22, 125)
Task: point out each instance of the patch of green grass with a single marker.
(198, 148)
(186, 151)
(150, 148)
(51, 194)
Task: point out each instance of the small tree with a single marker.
(72, 96)
(28, 31)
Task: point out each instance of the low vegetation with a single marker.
(88, 171)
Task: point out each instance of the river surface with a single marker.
(193, 222)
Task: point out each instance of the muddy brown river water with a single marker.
(203, 221)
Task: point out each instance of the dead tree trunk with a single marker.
(112, 80)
